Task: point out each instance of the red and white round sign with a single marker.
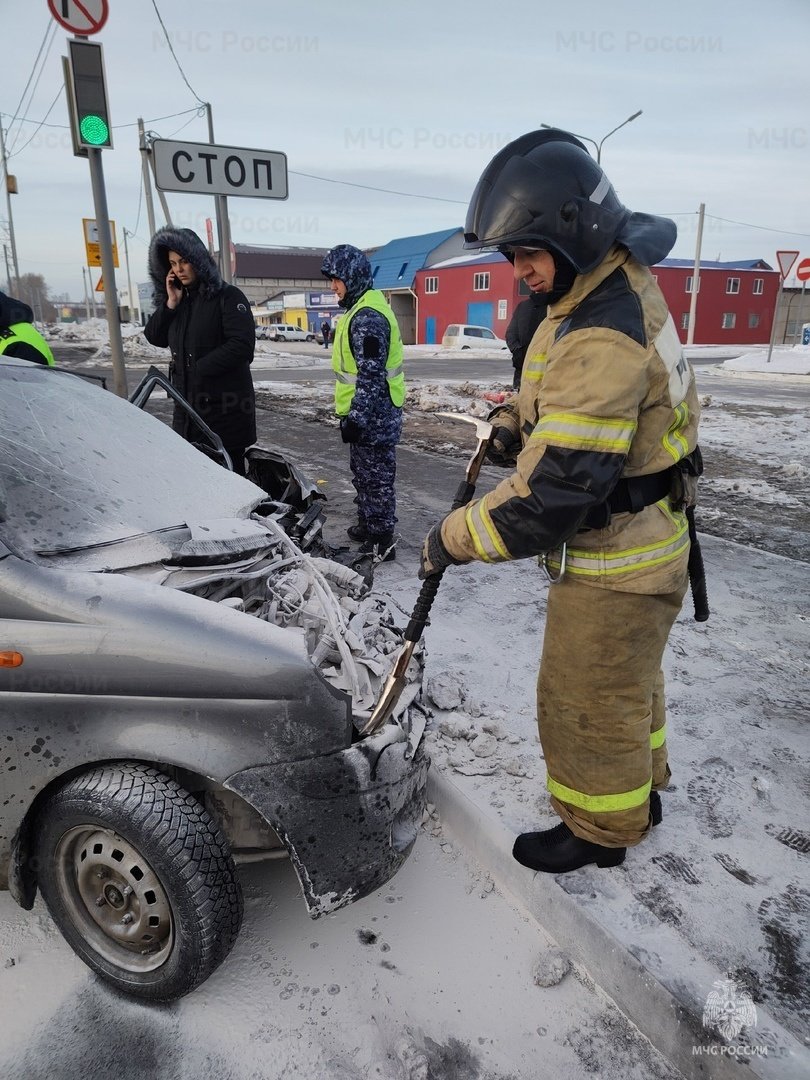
(82, 17)
(803, 270)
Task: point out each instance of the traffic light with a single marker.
(89, 111)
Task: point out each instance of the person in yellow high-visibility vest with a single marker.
(18, 337)
(369, 394)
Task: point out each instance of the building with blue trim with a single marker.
(394, 267)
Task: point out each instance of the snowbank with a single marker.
(785, 360)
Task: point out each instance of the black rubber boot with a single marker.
(381, 547)
(656, 811)
(557, 850)
(358, 531)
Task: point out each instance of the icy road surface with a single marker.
(434, 976)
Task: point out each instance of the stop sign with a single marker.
(803, 270)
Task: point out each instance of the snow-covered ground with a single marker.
(725, 878)
(785, 359)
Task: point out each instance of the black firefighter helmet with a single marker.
(544, 190)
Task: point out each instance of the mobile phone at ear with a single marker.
(178, 284)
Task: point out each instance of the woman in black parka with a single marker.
(209, 328)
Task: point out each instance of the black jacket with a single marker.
(212, 337)
(526, 317)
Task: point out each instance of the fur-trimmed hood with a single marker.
(186, 243)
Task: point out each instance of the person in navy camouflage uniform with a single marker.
(369, 394)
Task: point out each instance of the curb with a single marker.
(652, 974)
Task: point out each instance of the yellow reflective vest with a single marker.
(344, 364)
(25, 332)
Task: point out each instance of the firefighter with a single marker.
(369, 395)
(602, 439)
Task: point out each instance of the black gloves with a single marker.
(350, 432)
(504, 447)
(435, 556)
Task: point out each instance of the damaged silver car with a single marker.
(184, 677)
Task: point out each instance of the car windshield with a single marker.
(80, 466)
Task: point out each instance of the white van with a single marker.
(462, 336)
(285, 332)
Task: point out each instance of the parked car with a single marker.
(464, 336)
(179, 685)
(263, 332)
(284, 332)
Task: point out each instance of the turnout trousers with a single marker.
(600, 707)
(374, 472)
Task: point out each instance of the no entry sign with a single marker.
(83, 17)
(803, 270)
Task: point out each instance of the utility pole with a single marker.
(8, 271)
(690, 333)
(108, 271)
(147, 183)
(223, 225)
(86, 294)
(129, 279)
(16, 289)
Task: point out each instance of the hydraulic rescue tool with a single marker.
(419, 617)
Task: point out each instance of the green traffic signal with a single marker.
(94, 130)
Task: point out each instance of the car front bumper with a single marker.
(348, 820)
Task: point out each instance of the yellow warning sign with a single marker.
(93, 247)
(100, 286)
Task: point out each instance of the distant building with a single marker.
(262, 272)
(394, 268)
(735, 302)
(474, 288)
(307, 309)
(793, 314)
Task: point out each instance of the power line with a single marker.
(116, 127)
(386, 191)
(40, 124)
(174, 54)
(49, 29)
(765, 228)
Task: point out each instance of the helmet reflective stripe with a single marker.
(601, 190)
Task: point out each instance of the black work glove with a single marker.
(435, 556)
(350, 432)
(503, 446)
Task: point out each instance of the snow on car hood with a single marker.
(81, 467)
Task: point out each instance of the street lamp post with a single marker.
(599, 144)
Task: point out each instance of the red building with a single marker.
(735, 302)
(477, 289)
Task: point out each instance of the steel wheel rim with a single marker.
(115, 898)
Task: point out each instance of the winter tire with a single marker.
(139, 879)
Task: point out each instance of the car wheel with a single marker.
(310, 337)
(465, 346)
(139, 879)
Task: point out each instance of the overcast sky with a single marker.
(417, 97)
